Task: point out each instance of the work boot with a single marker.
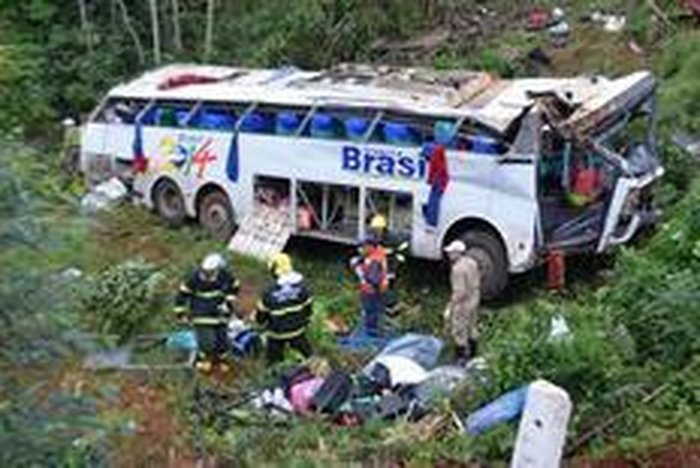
(461, 357)
(204, 366)
(472, 348)
(224, 368)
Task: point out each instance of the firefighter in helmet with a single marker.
(206, 300)
(285, 310)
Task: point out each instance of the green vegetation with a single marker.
(633, 349)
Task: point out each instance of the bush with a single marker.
(121, 299)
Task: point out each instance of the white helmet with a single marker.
(456, 246)
(213, 262)
(68, 122)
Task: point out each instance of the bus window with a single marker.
(168, 114)
(214, 117)
(120, 111)
(406, 130)
(287, 122)
(257, 122)
(324, 126)
(478, 139)
(339, 123)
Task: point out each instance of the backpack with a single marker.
(335, 391)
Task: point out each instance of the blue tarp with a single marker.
(422, 349)
(360, 340)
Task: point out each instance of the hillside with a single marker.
(630, 364)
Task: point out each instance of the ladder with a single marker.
(262, 233)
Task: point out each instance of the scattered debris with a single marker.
(538, 19)
(124, 357)
(559, 329)
(72, 273)
(542, 431)
(609, 22)
(689, 143)
(636, 48)
(503, 409)
(104, 196)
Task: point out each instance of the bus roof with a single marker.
(479, 96)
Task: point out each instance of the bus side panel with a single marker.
(191, 158)
(92, 144)
(499, 193)
(373, 166)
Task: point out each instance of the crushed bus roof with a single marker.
(493, 102)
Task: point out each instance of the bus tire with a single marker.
(215, 215)
(489, 253)
(169, 202)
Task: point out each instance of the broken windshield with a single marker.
(632, 137)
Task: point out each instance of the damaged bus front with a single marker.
(598, 164)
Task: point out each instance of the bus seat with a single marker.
(287, 123)
(444, 133)
(400, 134)
(356, 127)
(256, 122)
(215, 119)
(165, 117)
(323, 126)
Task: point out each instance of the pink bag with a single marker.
(302, 393)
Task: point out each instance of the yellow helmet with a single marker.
(378, 222)
(280, 264)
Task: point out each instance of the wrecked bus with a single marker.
(516, 168)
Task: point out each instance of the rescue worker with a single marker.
(461, 313)
(285, 310)
(395, 250)
(207, 300)
(372, 270)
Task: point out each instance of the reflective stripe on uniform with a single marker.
(208, 320)
(208, 294)
(185, 289)
(291, 309)
(231, 297)
(287, 335)
(261, 306)
(180, 309)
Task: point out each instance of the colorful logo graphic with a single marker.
(190, 154)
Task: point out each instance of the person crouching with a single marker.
(285, 310)
(207, 300)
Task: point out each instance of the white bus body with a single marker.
(496, 198)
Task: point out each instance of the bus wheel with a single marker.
(169, 203)
(489, 253)
(216, 215)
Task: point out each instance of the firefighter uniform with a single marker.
(205, 299)
(285, 311)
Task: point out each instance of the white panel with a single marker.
(542, 431)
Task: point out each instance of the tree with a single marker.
(209, 34)
(132, 31)
(155, 31)
(85, 24)
(177, 33)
